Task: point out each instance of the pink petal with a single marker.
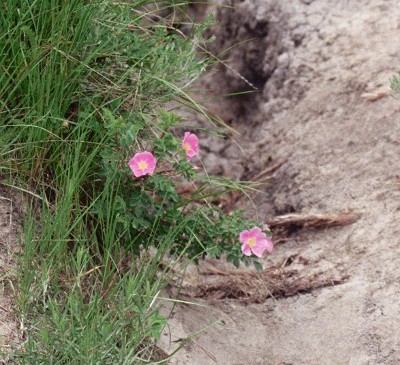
(259, 249)
(190, 143)
(261, 246)
(244, 236)
(139, 157)
(256, 231)
(269, 244)
(150, 160)
(246, 249)
(260, 235)
(135, 168)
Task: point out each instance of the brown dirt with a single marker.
(329, 295)
(10, 229)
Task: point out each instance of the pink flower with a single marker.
(143, 163)
(190, 144)
(255, 241)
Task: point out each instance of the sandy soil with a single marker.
(324, 109)
(10, 228)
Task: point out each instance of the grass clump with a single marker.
(83, 87)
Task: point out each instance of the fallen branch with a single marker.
(312, 220)
(274, 282)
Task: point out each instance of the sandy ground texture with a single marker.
(323, 134)
(10, 229)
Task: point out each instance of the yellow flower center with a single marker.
(251, 242)
(142, 165)
(186, 147)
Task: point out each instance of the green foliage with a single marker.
(395, 83)
(151, 205)
(84, 86)
(221, 237)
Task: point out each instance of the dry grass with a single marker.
(255, 287)
(216, 282)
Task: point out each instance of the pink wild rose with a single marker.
(255, 241)
(190, 144)
(143, 163)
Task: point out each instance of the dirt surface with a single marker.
(10, 229)
(325, 116)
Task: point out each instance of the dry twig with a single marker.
(312, 220)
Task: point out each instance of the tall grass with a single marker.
(84, 298)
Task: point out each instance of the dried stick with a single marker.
(312, 220)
